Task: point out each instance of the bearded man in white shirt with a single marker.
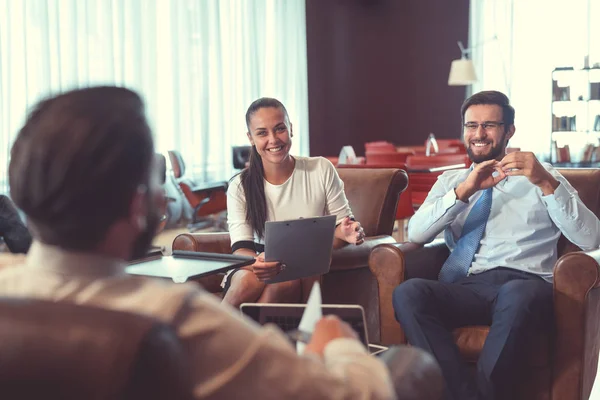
(501, 219)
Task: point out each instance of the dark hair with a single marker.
(252, 178)
(77, 163)
(491, 97)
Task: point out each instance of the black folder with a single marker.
(185, 265)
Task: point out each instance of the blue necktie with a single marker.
(458, 263)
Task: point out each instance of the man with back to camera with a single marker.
(502, 219)
(82, 170)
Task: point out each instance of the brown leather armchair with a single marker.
(563, 365)
(373, 196)
(64, 351)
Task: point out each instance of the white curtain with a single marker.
(197, 63)
(516, 45)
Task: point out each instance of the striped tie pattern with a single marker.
(458, 263)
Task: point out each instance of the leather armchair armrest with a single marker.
(352, 257)
(386, 263)
(206, 242)
(210, 243)
(398, 262)
(424, 261)
(576, 308)
(392, 264)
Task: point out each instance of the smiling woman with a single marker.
(270, 134)
(275, 187)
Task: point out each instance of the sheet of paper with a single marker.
(312, 314)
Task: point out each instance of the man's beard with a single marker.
(142, 243)
(494, 153)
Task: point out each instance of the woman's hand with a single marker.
(265, 270)
(350, 231)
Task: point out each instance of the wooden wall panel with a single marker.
(378, 70)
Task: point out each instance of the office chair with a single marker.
(203, 199)
(161, 167)
(175, 199)
(241, 156)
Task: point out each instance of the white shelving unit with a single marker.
(575, 111)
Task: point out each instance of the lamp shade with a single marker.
(462, 72)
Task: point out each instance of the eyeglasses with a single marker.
(472, 126)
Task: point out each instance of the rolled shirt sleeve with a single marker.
(577, 222)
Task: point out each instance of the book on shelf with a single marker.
(560, 93)
(596, 154)
(594, 90)
(588, 152)
(564, 124)
(563, 154)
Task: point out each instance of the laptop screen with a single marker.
(287, 316)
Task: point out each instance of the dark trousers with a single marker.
(516, 305)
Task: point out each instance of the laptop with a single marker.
(287, 317)
(304, 245)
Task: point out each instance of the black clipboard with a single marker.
(182, 266)
(304, 245)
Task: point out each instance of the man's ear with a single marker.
(510, 133)
(138, 210)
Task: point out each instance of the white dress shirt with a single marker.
(523, 227)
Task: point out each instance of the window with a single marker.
(197, 63)
(517, 44)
